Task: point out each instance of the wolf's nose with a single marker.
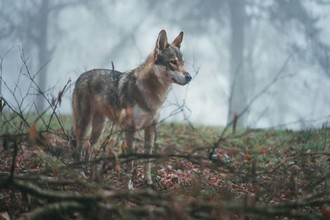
(188, 77)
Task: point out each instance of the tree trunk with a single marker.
(43, 53)
(238, 79)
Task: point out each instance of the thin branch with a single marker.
(261, 92)
(38, 192)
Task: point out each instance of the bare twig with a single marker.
(260, 93)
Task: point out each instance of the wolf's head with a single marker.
(169, 58)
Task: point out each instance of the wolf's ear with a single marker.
(161, 43)
(178, 40)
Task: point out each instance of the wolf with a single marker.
(132, 100)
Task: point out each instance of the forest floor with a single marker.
(198, 174)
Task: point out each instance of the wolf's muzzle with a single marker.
(187, 77)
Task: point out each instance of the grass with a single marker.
(239, 173)
(15, 121)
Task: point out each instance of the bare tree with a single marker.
(238, 78)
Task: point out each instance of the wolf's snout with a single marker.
(187, 77)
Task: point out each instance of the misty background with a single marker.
(265, 62)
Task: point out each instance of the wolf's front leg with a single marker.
(129, 140)
(149, 139)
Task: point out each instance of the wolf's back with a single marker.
(97, 84)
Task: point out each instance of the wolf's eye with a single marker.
(173, 62)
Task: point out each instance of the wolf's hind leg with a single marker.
(81, 130)
(82, 119)
(97, 127)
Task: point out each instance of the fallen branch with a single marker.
(54, 209)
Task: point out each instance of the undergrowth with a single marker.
(197, 173)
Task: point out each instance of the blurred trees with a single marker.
(234, 18)
(298, 16)
(287, 17)
(229, 25)
(35, 25)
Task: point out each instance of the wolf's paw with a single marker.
(148, 180)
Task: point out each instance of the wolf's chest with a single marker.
(142, 118)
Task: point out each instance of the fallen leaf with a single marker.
(33, 133)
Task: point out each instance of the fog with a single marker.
(266, 61)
